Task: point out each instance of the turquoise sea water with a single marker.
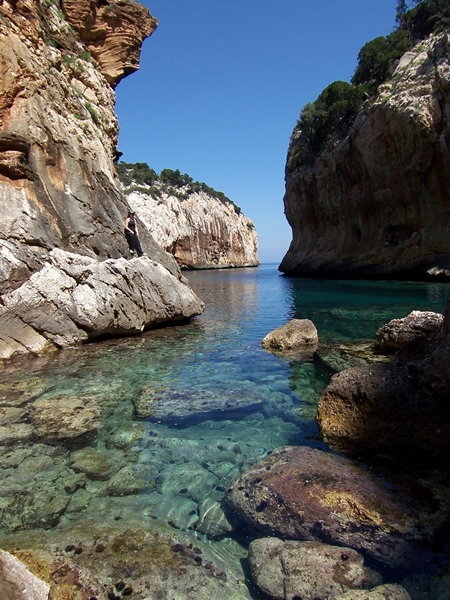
(182, 411)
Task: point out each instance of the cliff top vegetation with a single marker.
(326, 121)
(139, 177)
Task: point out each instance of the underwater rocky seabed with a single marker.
(168, 421)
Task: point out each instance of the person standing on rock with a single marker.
(132, 234)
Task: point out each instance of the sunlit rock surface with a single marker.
(378, 204)
(307, 570)
(58, 184)
(76, 298)
(398, 332)
(201, 231)
(113, 33)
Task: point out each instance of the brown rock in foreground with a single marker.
(307, 570)
(303, 494)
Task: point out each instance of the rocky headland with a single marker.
(375, 202)
(58, 184)
(201, 230)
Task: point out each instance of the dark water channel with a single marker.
(183, 411)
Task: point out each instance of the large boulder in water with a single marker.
(298, 335)
(401, 405)
(303, 494)
(398, 332)
(75, 299)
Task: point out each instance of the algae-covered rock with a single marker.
(96, 464)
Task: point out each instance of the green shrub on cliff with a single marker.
(326, 121)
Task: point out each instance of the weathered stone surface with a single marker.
(113, 33)
(75, 299)
(64, 417)
(395, 406)
(398, 332)
(377, 204)
(17, 582)
(307, 570)
(58, 184)
(389, 591)
(296, 335)
(18, 338)
(304, 494)
(200, 231)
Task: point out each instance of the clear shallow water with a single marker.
(211, 402)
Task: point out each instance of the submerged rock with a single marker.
(197, 404)
(93, 559)
(98, 465)
(307, 570)
(339, 357)
(64, 417)
(305, 494)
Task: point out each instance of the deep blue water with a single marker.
(188, 408)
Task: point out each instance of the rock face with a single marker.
(377, 205)
(58, 184)
(399, 405)
(112, 32)
(76, 298)
(201, 231)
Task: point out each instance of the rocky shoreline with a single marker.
(369, 526)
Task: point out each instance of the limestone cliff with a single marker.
(378, 204)
(201, 231)
(58, 135)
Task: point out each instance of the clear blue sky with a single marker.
(221, 86)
